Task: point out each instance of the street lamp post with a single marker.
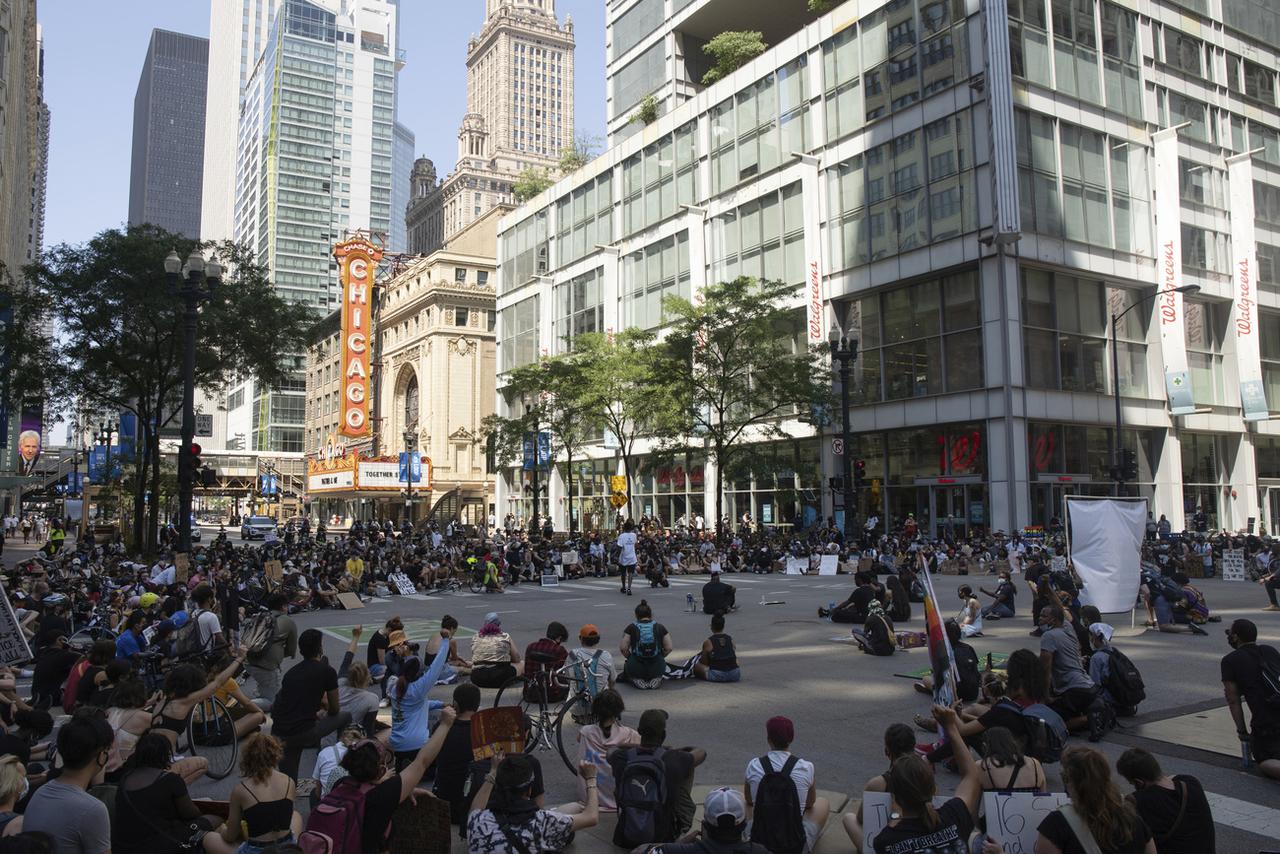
(105, 430)
(845, 351)
(195, 281)
(411, 448)
(1117, 470)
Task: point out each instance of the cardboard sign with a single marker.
(797, 565)
(501, 727)
(1233, 565)
(715, 566)
(828, 565)
(551, 581)
(13, 644)
(274, 570)
(568, 558)
(180, 565)
(876, 807)
(402, 584)
(865, 564)
(1012, 817)
(350, 601)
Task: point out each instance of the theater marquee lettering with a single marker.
(359, 261)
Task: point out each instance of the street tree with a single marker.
(33, 370)
(739, 370)
(626, 388)
(121, 333)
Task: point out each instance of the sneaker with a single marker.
(1037, 633)
(823, 613)
(1097, 726)
(1196, 630)
(1272, 608)
(384, 703)
(925, 723)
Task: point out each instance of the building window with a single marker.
(520, 334)
(460, 274)
(459, 316)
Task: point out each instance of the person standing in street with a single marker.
(626, 543)
(264, 666)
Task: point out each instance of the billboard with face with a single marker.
(31, 426)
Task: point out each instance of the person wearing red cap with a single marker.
(780, 733)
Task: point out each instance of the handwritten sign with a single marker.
(797, 565)
(550, 580)
(180, 564)
(502, 728)
(1012, 817)
(1058, 563)
(568, 558)
(1233, 565)
(274, 569)
(829, 565)
(402, 584)
(876, 807)
(13, 644)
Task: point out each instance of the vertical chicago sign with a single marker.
(358, 260)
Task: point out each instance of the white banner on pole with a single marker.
(1173, 343)
(1244, 272)
(1106, 549)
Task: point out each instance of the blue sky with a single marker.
(94, 53)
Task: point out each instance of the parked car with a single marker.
(256, 527)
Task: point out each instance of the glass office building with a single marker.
(979, 187)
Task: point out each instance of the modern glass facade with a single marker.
(979, 194)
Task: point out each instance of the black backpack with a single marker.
(1269, 677)
(778, 822)
(643, 815)
(1124, 682)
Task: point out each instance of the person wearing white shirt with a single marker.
(626, 543)
(780, 732)
(164, 573)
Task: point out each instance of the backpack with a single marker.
(1269, 676)
(337, 821)
(186, 642)
(584, 680)
(642, 799)
(646, 642)
(259, 632)
(1124, 682)
(1045, 730)
(777, 822)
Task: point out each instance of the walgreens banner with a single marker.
(1173, 343)
(1244, 266)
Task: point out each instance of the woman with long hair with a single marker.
(186, 687)
(595, 742)
(1005, 768)
(263, 799)
(410, 707)
(1098, 814)
(154, 811)
(899, 601)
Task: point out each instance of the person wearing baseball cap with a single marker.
(593, 658)
(724, 824)
(780, 732)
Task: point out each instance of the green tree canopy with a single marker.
(121, 333)
(739, 369)
(530, 183)
(731, 50)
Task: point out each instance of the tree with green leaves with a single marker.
(738, 369)
(646, 112)
(821, 6)
(730, 51)
(547, 396)
(627, 389)
(530, 183)
(122, 333)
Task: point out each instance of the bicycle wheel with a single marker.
(477, 584)
(211, 733)
(513, 688)
(566, 715)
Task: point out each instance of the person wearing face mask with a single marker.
(63, 808)
(1244, 676)
(1004, 595)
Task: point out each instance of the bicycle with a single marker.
(211, 730)
(544, 718)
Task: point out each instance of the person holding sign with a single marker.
(921, 828)
(1098, 817)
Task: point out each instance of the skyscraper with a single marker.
(237, 36)
(519, 116)
(314, 160)
(166, 177)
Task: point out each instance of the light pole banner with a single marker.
(359, 260)
(1173, 343)
(1244, 265)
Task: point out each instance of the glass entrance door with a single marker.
(950, 516)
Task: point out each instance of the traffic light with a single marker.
(193, 462)
(1128, 465)
(859, 474)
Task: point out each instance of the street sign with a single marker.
(837, 446)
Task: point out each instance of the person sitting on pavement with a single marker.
(1073, 695)
(920, 826)
(1027, 684)
(1242, 678)
(493, 654)
(1098, 817)
(541, 659)
(969, 681)
(185, 688)
(410, 707)
(1107, 667)
(899, 740)
(854, 609)
(768, 825)
(453, 764)
(970, 615)
(264, 666)
(457, 666)
(877, 636)
(309, 687)
(354, 696)
(1006, 768)
(724, 823)
(899, 605)
(1174, 808)
(676, 815)
(719, 659)
(645, 647)
(596, 741)
(718, 597)
(593, 657)
(263, 800)
(1005, 596)
(505, 818)
(1169, 601)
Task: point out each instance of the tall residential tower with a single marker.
(519, 116)
(166, 178)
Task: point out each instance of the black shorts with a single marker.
(1074, 703)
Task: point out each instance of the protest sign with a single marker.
(828, 565)
(1233, 565)
(797, 565)
(500, 728)
(876, 807)
(1012, 817)
(13, 644)
(402, 584)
